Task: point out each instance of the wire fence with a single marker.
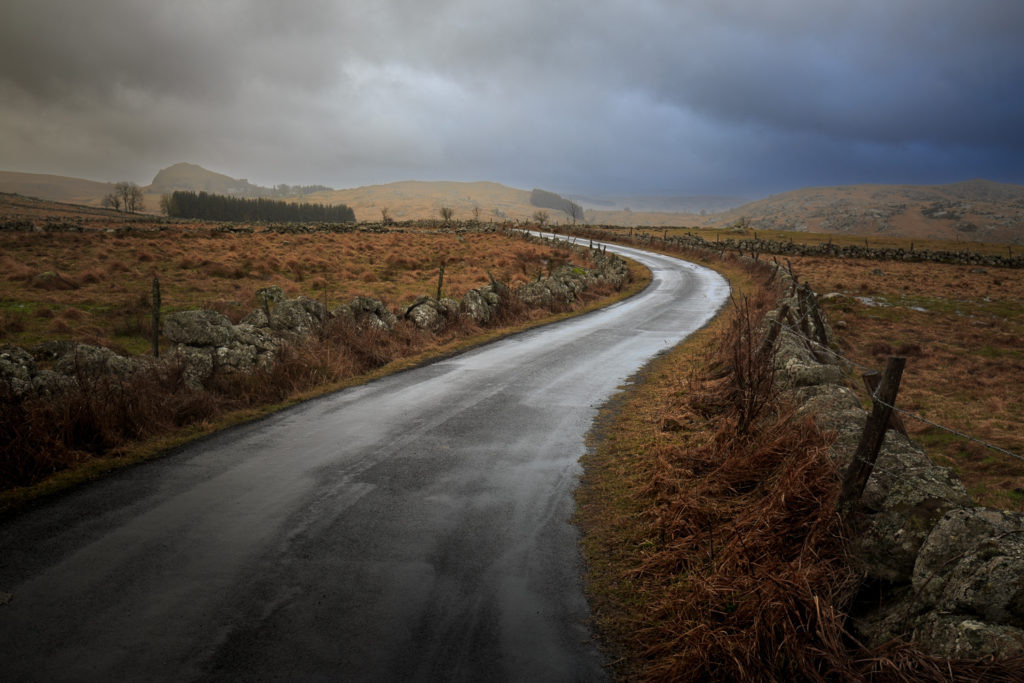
(874, 397)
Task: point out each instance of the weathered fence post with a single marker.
(440, 281)
(804, 308)
(864, 457)
(156, 317)
(871, 381)
(819, 324)
(773, 331)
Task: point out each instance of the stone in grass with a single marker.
(198, 328)
(52, 282)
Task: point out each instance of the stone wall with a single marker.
(206, 341)
(936, 568)
(755, 245)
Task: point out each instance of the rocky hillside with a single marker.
(977, 210)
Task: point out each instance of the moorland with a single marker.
(960, 325)
(971, 211)
(76, 275)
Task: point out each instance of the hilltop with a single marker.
(54, 188)
(193, 177)
(976, 210)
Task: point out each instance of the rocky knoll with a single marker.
(936, 569)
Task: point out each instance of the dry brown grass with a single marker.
(103, 417)
(714, 549)
(962, 329)
(107, 301)
(112, 275)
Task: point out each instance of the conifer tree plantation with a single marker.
(216, 207)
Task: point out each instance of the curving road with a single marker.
(415, 528)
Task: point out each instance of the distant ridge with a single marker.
(977, 210)
(981, 210)
(54, 188)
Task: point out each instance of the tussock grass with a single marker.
(713, 545)
(102, 423)
(961, 328)
(210, 270)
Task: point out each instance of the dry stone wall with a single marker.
(756, 245)
(937, 569)
(205, 341)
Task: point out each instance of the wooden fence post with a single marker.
(156, 317)
(773, 331)
(804, 308)
(440, 281)
(871, 381)
(864, 457)
(815, 312)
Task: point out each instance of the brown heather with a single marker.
(962, 329)
(102, 419)
(708, 511)
(110, 277)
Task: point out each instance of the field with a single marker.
(95, 286)
(875, 241)
(962, 329)
(714, 551)
(961, 326)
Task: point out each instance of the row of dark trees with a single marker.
(216, 207)
(549, 200)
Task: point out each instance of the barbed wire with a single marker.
(915, 416)
(949, 429)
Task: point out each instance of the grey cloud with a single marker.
(577, 96)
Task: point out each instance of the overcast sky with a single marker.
(591, 96)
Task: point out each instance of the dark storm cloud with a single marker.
(634, 96)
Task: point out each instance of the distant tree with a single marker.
(575, 212)
(166, 204)
(543, 199)
(476, 214)
(385, 216)
(130, 195)
(112, 201)
(446, 214)
(541, 218)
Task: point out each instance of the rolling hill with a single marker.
(54, 187)
(977, 210)
(192, 177)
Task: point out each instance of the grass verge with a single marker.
(109, 424)
(708, 515)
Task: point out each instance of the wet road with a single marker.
(415, 528)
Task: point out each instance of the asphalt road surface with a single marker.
(414, 528)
